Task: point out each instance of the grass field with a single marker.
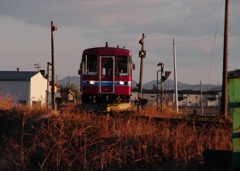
(40, 139)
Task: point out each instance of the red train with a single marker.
(106, 78)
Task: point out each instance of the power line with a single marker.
(187, 18)
(197, 40)
(203, 39)
(178, 26)
(236, 2)
(214, 43)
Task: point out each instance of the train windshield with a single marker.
(123, 67)
(90, 65)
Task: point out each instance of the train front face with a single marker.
(106, 76)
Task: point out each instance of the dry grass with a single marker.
(85, 141)
(6, 102)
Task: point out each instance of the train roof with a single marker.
(116, 51)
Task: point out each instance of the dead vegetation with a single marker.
(40, 139)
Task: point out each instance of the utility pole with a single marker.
(142, 54)
(53, 28)
(224, 101)
(175, 75)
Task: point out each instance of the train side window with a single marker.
(91, 65)
(122, 65)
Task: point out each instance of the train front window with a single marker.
(90, 65)
(122, 65)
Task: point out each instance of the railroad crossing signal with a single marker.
(142, 53)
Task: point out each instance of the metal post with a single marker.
(48, 64)
(161, 91)
(141, 71)
(201, 97)
(161, 81)
(53, 28)
(163, 78)
(157, 89)
(47, 84)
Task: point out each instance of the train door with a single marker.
(107, 75)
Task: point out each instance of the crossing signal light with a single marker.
(142, 53)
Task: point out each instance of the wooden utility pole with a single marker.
(224, 101)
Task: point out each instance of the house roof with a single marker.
(16, 75)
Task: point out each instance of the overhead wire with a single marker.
(195, 40)
(178, 26)
(187, 18)
(236, 2)
(214, 43)
(203, 39)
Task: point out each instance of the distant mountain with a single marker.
(167, 85)
(134, 83)
(74, 80)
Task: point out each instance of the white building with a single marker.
(26, 87)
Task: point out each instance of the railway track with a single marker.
(189, 119)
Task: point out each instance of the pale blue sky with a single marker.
(197, 27)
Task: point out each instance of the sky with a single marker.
(196, 26)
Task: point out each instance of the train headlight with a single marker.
(91, 82)
(121, 82)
